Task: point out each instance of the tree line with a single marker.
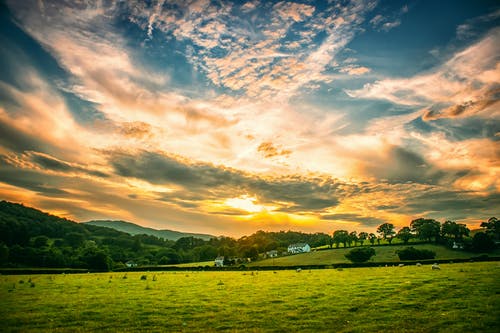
(31, 238)
(449, 233)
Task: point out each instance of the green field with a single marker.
(457, 298)
(382, 254)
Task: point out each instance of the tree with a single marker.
(426, 229)
(372, 237)
(360, 254)
(482, 242)
(362, 237)
(74, 239)
(250, 252)
(340, 236)
(40, 241)
(206, 252)
(451, 229)
(386, 230)
(353, 238)
(4, 253)
(188, 243)
(492, 227)
(405, 234)
(96, 259)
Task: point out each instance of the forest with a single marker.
(32, 238)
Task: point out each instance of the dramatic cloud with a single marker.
(465, 85)
(204, 181)
(228, 117)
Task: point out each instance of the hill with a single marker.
(382, 254)
(32, 238)
(134, 229)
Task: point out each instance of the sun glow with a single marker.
(245, 203)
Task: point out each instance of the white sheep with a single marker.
(435, 266)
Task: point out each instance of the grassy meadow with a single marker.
(457, 298)
(382, 254)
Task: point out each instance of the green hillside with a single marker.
(382, 254)
(134, 229)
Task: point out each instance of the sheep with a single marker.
(401, 265)
(419, 264)
(435, 266)
(299, 270)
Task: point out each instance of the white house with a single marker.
(299, 248)
(131, 263)
(272, 254)
(219, 261)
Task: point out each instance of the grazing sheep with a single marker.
(401, 265)
(299, 270)
(435, 266)
(419, 264)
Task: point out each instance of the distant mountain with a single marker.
(135, 229)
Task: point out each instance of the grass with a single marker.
(382, 254)
(457, 298)
(193, 264)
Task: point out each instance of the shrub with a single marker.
(482, 242)
(411, 253)
(360, 254)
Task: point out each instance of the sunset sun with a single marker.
(245, 203)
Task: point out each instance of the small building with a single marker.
(272, 254)
(131, 263)
(219, 261)
(299, 248)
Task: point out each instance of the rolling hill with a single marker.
(134, 229)
(382, 254)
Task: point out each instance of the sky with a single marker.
(228, 117)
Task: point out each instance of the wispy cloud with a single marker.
(387, 22)
(465, 85)
(251, 57)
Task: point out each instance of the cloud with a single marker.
(269, 150)
(388, 22)
(136, 129)
(50, 163)
(480, 104)
(217, 101)
(356, 218)
(209, 182)
(250, 6)
(245, 53)
(355, 70)
(466, 81)
(471, 27)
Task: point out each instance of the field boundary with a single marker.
(31, 271)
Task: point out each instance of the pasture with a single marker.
(457, 298)
(382, 254)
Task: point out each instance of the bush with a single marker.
(482, 242)
(360, 254)
(411, 253)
